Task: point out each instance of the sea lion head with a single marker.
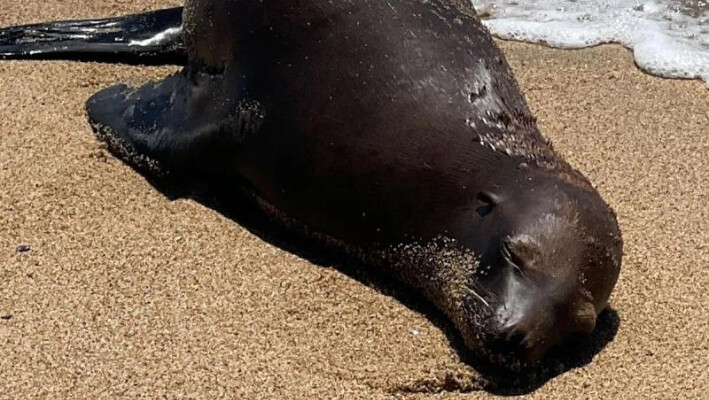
(547, 271)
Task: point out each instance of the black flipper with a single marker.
(149, 38)
(187, 123)
(191, 122)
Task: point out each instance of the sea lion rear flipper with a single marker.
(145, 38)
(185, 123)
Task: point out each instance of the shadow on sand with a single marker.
(231, 200)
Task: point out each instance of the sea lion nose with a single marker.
(516, 341)
(524, 346)
(529, 338)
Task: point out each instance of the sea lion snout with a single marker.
(540, 295)
(525, 320)
(540, 327)
(527, 341)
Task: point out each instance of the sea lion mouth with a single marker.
(513, 347)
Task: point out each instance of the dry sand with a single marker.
(128, 294)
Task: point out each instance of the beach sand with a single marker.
(126, 293)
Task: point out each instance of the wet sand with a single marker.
(126, 293)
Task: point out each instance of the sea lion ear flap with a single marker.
(584, 318)
(490, 199)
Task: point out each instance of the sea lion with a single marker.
(393, 130)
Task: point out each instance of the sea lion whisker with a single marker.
(479, 297)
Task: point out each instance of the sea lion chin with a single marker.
(391, 130)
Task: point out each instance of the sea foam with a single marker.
(669, 38)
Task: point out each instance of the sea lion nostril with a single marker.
(517, 341)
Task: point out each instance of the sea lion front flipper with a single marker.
(186, 123)
(192, 121)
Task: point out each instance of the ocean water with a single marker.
(668, 38)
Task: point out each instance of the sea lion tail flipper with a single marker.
(153, 37)
(186, 123)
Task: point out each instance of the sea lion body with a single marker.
(396, 131)
(362, 104)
